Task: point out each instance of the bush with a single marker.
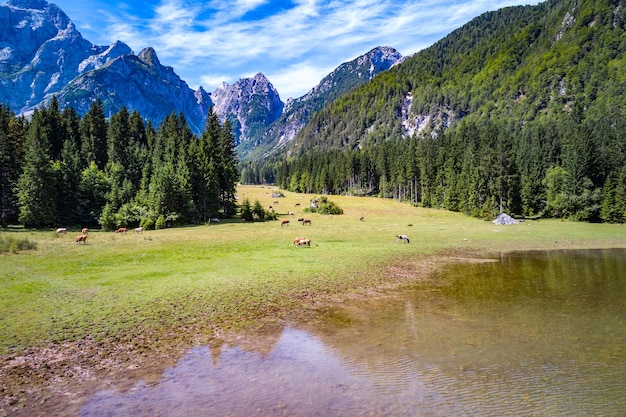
(107, 219)
(160, 222)
(147, 224)
(13, 245)
(323, 205)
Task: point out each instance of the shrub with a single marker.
(13, 245)
(160, 222)
(147, 224)
(323, 205)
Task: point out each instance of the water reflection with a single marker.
(532, 334)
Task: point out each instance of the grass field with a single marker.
(228, 276)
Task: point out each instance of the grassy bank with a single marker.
(227, 276)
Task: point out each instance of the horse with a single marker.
(138, 229)
(300, 219)
(81, 238)
(306, 221)
(302, 242)
(362, 218)
(290, 213)
(284, 222)
(85, 231)
(402, 238)
(61, 230)
(121, 230)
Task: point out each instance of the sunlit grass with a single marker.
(233, 273)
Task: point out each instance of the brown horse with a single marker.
(85, 231)
(81, 238)
(121, 230)
(284, 222)
(306, 221)
(300, 241)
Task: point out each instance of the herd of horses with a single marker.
(85, 232)
(298, 241)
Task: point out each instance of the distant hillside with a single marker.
(522, 109)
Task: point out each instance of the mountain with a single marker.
(299, 111)
(251, 105)
(42, 54)
(138, 82)
(522, 110)
(519, 63)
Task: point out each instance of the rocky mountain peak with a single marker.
(149, 57)
(251, 105)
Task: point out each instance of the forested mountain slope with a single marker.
(522, 109)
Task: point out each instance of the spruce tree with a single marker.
(36, 185)
(93, 128)
(11, 160)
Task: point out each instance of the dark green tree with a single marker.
(93, 128)
(11, 161)
(36, 185)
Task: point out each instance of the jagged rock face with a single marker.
(251, 105)
(41, 52)
(139, 83)
(344, 78)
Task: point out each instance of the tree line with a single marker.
(57, 168)
(561, 168)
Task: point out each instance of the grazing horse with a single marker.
(81, 238)
(121, 230)
(284, 222)
(362, 218)
(402, 238)
(138, 229)
(61, 230)
(85, 231)
(300, 241)
(306, 221)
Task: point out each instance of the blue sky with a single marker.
(294, 43)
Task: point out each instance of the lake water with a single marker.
(529, 334)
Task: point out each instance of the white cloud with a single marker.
(294, 47)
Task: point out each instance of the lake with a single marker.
(524, 334)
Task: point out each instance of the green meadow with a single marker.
(232, 275)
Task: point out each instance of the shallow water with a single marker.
(530, 334)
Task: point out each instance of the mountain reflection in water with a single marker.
(532, 334)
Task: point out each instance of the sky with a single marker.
(294, 43)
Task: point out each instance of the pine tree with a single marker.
(93, 128)
(228, 174)
(36, 185)
(206, 187)
(11, 160)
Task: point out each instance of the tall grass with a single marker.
(232, 274)
(12, 244)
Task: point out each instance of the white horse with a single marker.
(402, 238)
